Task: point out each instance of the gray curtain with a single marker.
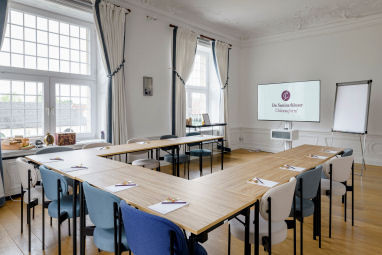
(3, 25)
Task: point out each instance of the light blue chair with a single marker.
(56, 149)
(55, 188)
(100, 206)
(198, 153)
(151, 234)
(307, 195)
(169, 157)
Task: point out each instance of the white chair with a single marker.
(338, 174)
(31, 193)
(147, 162)
(279, 199)
(95, 145)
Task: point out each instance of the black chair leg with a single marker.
(29, 211)
(229, 239)
(345, 206)
(59, 216)
(43, 218)
(69, 227)
(352, 195)
(211, 162)
(188, 166)
(50, 221)
(330, 201)
(302, 218)
(22, 209)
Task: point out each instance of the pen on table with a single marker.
(288, 166)
(125, 185)
(175, 202)
(259, 180)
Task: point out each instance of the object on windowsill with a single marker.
(17, 143)
(49, 139)
(206, 119)
(63, 139)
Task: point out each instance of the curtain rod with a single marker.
(203, 36)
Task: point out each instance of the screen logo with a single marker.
(285, 95)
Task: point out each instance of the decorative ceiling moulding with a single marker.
(172, 17)
(347, 25)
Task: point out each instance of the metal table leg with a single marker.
(222, 153)
(247, 245)
(75, 183)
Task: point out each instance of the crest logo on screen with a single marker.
(285, 95)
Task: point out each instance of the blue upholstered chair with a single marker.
(198, 153)
(169, 157)
(151, 234)
(100, 206)
(55, 188)
(307, 197)
(56, 149)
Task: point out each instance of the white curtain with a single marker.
(111, 25)
(186, 42)
(222, 61)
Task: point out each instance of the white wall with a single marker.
(148, 53)
(341, 55)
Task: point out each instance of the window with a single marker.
(197, 87)
(35, 42)
(47, 81)
(21, 108)
(73, 108)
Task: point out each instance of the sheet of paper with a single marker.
(262, 182)
(166, 208)
(318, 157)
(73, 169)
(331, 152)
(114, 189)
(292, 168)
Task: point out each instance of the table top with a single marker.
(212, 198)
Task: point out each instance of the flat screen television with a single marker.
(289, 101)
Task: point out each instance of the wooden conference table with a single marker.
(212, 199)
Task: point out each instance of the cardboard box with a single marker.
(65, 139)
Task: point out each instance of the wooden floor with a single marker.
(364, 238)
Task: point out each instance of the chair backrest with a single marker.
(150, 234)
(341, 168)
(281, 201)
(49, 180)
(193, 134)
(310, 182)
(163, 137)
(347, 152)
(100, 206)
(95, 145)
(53, 150)
(23, 167)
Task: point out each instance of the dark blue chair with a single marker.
(100, 206)
(151, 234)
(169, 157)
(198, 153)
(307, 195)
(55, 188)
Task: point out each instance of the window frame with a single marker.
(50, 78)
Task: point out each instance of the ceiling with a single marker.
(246, 19)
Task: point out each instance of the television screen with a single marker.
(291, 101)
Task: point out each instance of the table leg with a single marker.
(222, 153)
(177, 161)
(173, 160)
(75, 183)
(82, 220)
(247, 245)
(201, 159)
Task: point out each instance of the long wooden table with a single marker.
(212, 199)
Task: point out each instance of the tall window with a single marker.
(48, 78)
(197, 87)
(202, 88)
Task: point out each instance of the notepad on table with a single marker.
(74, 168)
(331, 152)
(168, 205)
(121, 186)
(104, 148)
(292, 168)
(317, 156)
(52, 160)
(262, 182)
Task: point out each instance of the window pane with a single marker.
(20, 112)
(199, 103)
(59, 46)
(73, 108)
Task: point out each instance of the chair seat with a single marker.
(338, 188)
(147, 163)
(182, 158)
(200, 152)
(104, 239)
(279, 229)
(66, 205)
(308, 207)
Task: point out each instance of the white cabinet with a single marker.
(12, 181)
